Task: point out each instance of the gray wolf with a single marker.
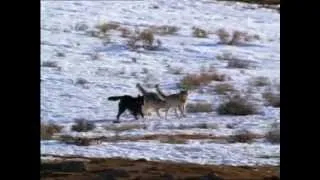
(152, 101)
(175, 101)
(133, 104)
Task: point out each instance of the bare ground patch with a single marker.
(118, 168)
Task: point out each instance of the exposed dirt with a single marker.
(116, 168)
(163, 138)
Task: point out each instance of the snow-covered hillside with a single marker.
(109, 70)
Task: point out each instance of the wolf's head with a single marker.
(140, 100)
(184, 94)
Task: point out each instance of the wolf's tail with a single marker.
(159, 91)
(141, 89)
(114, 98)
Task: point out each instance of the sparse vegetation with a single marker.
(236, 38)
(145, 70)
(82, 125)
(224, 88)
(81, 81)
(234, 62)
(236, 105)
(273, 135)
(52, 64)
(199, 107)
(223, 36)
(93, 33)
(242, 136)
(270, 2)
(198, 125)
(199, 33)
(79, 141)
(238, 63)
(164, 30)
(173, 140)
(230, 126)
(81, 27)
(105, 27)
(125, 32)
(147, 37)
(260, 81)
(154, 7)
(225, 56)
(193, 81)
(48, 130)
(95, 56)
(175, 70)
(60, 54)
(125, 127)
(144, 39)
(273, 99)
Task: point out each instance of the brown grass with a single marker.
(105, 27)
(48, 130)
(235, 38)
(144, 39)
(193, 81)
(224, 88)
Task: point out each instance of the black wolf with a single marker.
(133, 104)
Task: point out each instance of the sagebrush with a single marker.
(199, 33)
(237, 105)
(82, 125)
(199, 107)
(193, 81)
(48, 130)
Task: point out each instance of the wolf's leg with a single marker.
(141, 113)
(121, 109)
(158, 113)
(166, 110)
(181, 111)
(177, 115)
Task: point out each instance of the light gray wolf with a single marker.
(152, 101)
(177, 100)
